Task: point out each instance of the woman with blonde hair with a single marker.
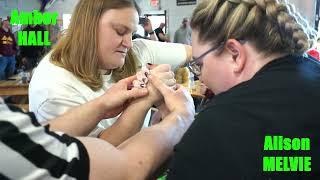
(251, 54)
(82, 66)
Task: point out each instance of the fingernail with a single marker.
(130, 87)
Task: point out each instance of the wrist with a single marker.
(159, 103)
(145, 103)
(101, 107)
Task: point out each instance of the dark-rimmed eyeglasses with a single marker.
(195, 64)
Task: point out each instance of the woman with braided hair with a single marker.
(250, 53)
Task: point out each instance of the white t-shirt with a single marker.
(53, 90)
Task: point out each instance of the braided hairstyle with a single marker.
(273, 26)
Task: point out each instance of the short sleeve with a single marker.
(54, 107)
(156, 52)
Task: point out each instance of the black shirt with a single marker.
(158, 31)
(32, 51)
(226, 140)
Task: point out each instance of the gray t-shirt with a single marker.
(183, 36)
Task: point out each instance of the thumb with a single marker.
(136, 93)
(158, 84)
(128, 80)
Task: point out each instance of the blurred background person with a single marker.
(315, 50)
(183, 34)
(145, 23)
(8, 50)
(160, 34)
(31, 55)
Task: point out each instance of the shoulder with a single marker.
(45, 69)
(157, 52)
(179, 29)
(136, 43)
(142, 47)
(48, 74)
(217, 112)
(11, 34)
(57, 87)
(141, 44)
(156, 46)
(225, 113)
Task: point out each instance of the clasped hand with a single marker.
(120, 95)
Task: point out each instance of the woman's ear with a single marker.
(237, 52)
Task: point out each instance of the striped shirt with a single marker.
(30, 151)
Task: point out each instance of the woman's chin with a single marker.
(116, 66)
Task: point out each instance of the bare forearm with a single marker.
(153, 37)
(139, 156)
(163, 37)
(128, 124)
(164, 111)
(147, 150)
(79, 121)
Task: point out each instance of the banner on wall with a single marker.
(186, 2)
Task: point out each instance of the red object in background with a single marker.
(314, 53)
(154, 3)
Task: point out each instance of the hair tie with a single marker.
(235, 1)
